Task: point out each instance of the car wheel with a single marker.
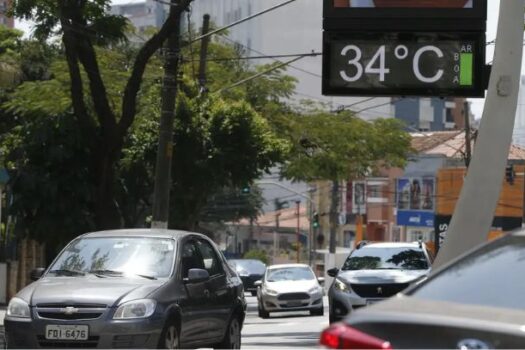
(262, 312)
(169, 338)
(317, 312)
(254, 293)
(332, 319)
(232, 338)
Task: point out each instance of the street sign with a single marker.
(402, 63)
(404, 48)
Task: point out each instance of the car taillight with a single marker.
(341, 336)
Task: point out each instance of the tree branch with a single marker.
(129, 102)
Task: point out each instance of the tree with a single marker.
(339, 147)
(83, 25)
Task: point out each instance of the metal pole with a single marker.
(475, 209)
(204, 53)
(298, 205)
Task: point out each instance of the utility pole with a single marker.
(298, 238)
(161, 197)
(204, 53)
(334, 216)
(477, 203)
(468, 138)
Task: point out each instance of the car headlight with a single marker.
(18, 308)
(341, 286)
(315, 290)
(243, 273)
(135, 309)
(270, 291)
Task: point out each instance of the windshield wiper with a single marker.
(67, 272)
(146, 276)
(106, 272)
(118, 273)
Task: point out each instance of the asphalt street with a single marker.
(296, 330)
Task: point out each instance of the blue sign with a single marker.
(415, 218)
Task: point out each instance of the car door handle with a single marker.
(206, 293)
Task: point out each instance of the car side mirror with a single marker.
(257, 283)
(320, 280)
(37, 273)
(333, 272)
(197, 276)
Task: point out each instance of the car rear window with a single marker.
(249, 266)
(492, 276)
(371, 258)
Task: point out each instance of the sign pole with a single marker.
(475, 209)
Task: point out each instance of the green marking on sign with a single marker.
(466, 69)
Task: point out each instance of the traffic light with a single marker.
(509, 174)
(315, 220)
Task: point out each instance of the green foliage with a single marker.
(258, 255)
(342, 146)
(91, 18)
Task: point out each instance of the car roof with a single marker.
(278, 266)
(392, 245)
(141, 232)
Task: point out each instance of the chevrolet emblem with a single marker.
(70, 310)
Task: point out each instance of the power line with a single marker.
(229, 59)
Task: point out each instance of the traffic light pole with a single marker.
(475, 209)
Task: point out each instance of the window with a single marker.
(491, 276)
(211, 263)
(191, 258)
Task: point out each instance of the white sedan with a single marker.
(290, 287)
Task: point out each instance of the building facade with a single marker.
(9, 22)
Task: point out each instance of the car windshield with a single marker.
(370, 258)
(290, 274)
(117, 256)
(250, 266)
(490, 277)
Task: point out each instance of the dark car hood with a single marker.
(87, 289)
(381, 276)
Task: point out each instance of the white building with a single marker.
(143, 14)
(519, 125)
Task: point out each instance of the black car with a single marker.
(474, 302)
(250, 271)
(131, 289)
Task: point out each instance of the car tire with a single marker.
(317, 312)
(232, 338)
(169, 337)
(254, 293)
(262, 312)
(332, 319)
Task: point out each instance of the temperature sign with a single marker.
(400, 64)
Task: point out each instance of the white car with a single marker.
(290, 287)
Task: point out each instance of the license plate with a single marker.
(67, 332)
(295, 303)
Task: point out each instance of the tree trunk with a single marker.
(106, 212)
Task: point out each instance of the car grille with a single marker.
(90, 343)
(378, 290)
(293, 296)
(62, 311)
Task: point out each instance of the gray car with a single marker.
(131, 289)
(474, 302)
(373, 272)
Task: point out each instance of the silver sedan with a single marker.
(290, 287)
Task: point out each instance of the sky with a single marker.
(493, 12)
